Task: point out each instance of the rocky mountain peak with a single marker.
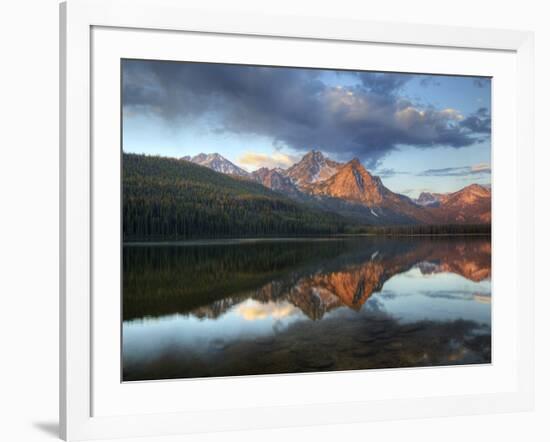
(352, 182)
(217, 162)
(201, 157)
(428, 199)
(315, 155)
(313, 167)
(478, 190)
(470, 204)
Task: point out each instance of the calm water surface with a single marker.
(285, 306)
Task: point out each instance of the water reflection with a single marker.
(304, 305)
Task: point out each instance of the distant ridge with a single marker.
(472, 204)
(350, 190)
(218, 163)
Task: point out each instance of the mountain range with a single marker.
(349, 189)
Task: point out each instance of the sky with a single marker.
(418, 132)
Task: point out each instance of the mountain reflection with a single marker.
(313, 276)
(290, 306)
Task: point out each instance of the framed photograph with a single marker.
(300, 220)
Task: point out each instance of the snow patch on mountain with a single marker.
(218, 163)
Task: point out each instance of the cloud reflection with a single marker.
(254, 310)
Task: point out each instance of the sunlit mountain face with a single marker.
(314, 167)
(350, 189)
(305, 305)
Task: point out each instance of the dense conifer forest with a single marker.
(166, 198)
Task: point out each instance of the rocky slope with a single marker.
(471, 204)
(428, 199)
(275, 179)
(312, 168)
(354, 184)
(218, 163)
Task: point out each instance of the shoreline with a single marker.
(253, 240)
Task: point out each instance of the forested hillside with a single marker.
(166, 198)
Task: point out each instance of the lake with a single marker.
(250, 307)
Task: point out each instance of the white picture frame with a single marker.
(78, 377)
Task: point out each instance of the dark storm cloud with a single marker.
(294, 107)
(382, 83)
(480, 122)
(180, 90)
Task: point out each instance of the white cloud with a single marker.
(255, 160)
